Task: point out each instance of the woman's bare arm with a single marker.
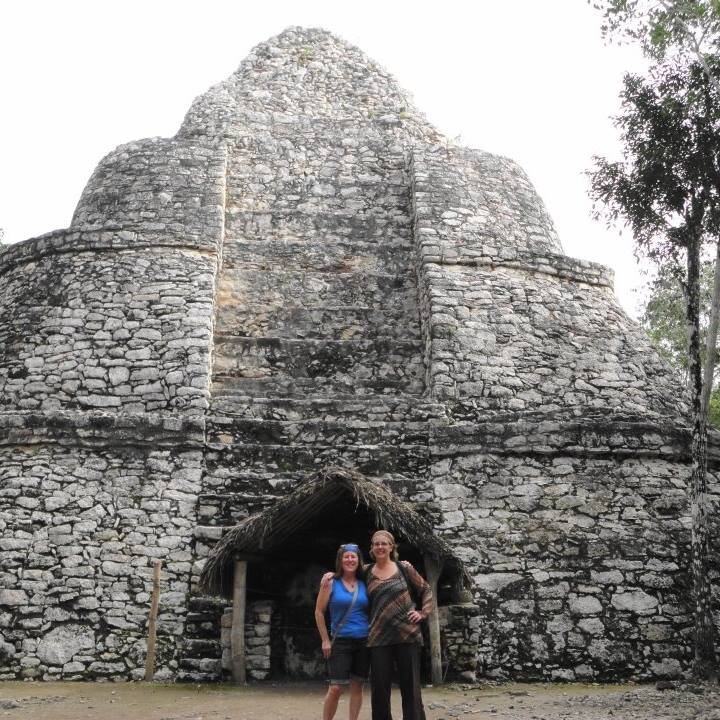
(321, 604)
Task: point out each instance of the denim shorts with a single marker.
(349, 660)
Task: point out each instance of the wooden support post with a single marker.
(433, 568)
(237, 633)
(152, 622)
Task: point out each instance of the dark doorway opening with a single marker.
(286, 549)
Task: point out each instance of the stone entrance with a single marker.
(282, 554)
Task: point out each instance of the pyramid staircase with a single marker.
(318, 354)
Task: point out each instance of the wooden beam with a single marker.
(152, 622)
(433, 568)
(237, 632)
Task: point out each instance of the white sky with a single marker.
(530, 79)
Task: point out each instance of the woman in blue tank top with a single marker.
(344, 647)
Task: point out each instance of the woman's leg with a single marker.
(381, 666)
(356, 698)
(408, 663)
(331, 701)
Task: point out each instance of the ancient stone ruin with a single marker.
(309, 276)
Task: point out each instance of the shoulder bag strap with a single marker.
(344, 618)
(414, 596)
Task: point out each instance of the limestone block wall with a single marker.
(580, 560)
(113, 315)
(460, 633)
(258, 621)
(114, 326)
(86, 503)
(477, 204)
(511, 324)
(171, 191)
(509, 339)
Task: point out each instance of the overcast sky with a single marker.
(529, 79)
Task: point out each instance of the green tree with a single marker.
(689, 29)
(667, 190)
(664, 315)
(664, 318)
(714, 409)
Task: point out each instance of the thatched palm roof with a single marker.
(262, 532)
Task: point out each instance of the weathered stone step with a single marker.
(369, 146)
(394, 321)
(201, 648)
(224, 509)
(307, 288)
(297, 304)
(372, 460)
(206, 606)
(345, 256)
(318, 366)
(311, 387)
(222, 431)
(333, 227)
(342, 194)
(229, 498)
(195, 670)
(254, 487)
(201, 651)
(332, 162)
(373, 408)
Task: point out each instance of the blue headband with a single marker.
(350, 547)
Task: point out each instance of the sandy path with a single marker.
(136, 701)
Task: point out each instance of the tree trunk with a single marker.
(711, 341)
(705, 661)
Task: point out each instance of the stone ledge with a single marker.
(112, 238)
(583, 435)
(441, 207)
(560, 266)
(100, 429)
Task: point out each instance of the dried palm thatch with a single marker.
(264, 531)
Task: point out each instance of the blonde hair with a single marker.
(389, 537)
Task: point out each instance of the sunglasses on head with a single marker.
(350, 547)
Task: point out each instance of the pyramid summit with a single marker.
(310, 74)
(305, 316)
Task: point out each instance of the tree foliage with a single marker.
(668, 182)
(685, 28)
(664, 318)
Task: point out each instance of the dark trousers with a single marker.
(406, 659)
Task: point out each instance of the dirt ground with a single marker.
(139, 701)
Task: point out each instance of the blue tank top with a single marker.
(356, 625)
